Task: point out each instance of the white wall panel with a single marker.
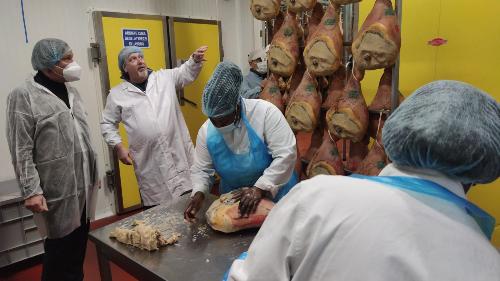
(71, 20)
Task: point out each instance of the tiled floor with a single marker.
(32, 269)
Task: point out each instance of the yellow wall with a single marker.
(471, 54)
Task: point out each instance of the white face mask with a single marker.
(226, 129)
(72, 72)
(262, 67)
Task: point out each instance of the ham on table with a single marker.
(323, 51)
(223, 215)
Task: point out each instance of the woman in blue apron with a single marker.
(248, 143)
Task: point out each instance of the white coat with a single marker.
(347, 229)
(158, 137)
(52, 155)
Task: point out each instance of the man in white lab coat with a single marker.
(413, 221)
(160, 147)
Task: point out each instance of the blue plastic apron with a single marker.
(485, 221)
(242, 170)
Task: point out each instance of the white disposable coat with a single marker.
(52, 155)
(271, 126)
(158, 137)
(347, 229)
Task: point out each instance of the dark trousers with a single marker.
(63, 258)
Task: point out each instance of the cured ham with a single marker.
(283, 54)
(374, 162)
(381, 103)
(348, 119)
(378, 42)
(298, 6)
(326, 160)
(323, 52)
(223, 215)
(335, 89)
(344, 2)
(143, 236)
(313, 22)
(355, 153)
(265, 9)
(303, 109)
(294, 82)
(271, 92)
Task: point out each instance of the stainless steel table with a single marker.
(200, 254)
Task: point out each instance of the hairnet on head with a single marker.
(124, 54)
(222, 92)
(450, 127)
(48, 52)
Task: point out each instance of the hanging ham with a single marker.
(323, 52)
(303, 109)
(335, 89)
(355, 152)
(265, 9)
(374, 162)
(348, 119)
(378, 42)
(326, 160)
(271, 92)
(298, 6)
(313, 21)
(283, 54)
(294, 82)
(344, 2)
(223, 215)
(381, 103)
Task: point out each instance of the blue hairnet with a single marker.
(450, 127)
(48, 52)
(124, 54)
(222, 92)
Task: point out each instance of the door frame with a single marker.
(171, 35)
(105, 87)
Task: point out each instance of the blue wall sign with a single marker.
(135, 37)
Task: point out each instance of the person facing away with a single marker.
(54, 162)
(413, 221)
(247, 142)
(250, 88)
(160, 147)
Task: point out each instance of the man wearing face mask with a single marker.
(55, 165)
(247, 142)
(160, 146)
(258, 70)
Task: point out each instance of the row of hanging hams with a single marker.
(315, 91)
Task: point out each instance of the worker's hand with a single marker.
(123, 154)
(249, 200)
(199, 54)
(36, 204)
(194, 206)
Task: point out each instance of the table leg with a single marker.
(104, 268)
